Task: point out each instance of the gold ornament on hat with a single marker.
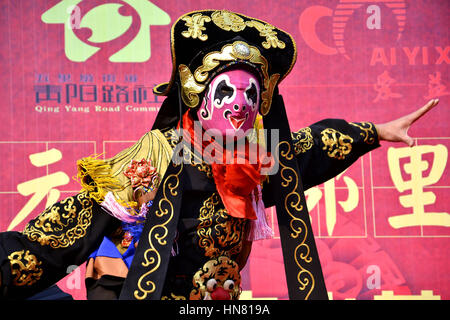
(228, 21)
(194, 77)
(195, 24)
(266, 30)
(241, 50)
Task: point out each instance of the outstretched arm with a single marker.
(64, 234)
(328, 147)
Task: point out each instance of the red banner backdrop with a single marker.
(76, 80)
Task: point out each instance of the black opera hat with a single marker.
(204, 42)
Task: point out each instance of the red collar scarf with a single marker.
(234, 181)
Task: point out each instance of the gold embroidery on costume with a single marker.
(368, 131)
(302, 140)
(25, 268)
(172, 137)
(59, 226)
(158, 232)
(200, 165)
(337, 144)
(190, 88)
(195, 24)
(206, 168)
(218, 232)
(267, 31)
(294, 208)
(266, 96)
(228, 21)
(224, 271)
(173, 297)
(197, 161)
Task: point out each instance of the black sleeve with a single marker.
(65, 234)
(328, 147)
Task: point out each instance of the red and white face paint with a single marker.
(231, 103)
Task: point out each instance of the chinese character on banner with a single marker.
(435, 86)
(47, 93)
(40, 187)
(64, 77)
(348, 205)
(415, 169)
(86, 77)
(383, 87)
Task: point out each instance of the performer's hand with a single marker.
(397, 130)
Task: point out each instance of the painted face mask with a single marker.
(231, 103)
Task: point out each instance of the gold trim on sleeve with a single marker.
(337, 144)
(25, 268)
(59, 226)
(302, 140)
(368, 131)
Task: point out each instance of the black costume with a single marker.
(187, 211)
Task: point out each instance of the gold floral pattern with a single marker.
(60, 225)
(218, 232)
(195, 24)
(302, 140)
(337, 144)
(25, 268)
(142, 173)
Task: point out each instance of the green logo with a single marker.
(106, 24)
